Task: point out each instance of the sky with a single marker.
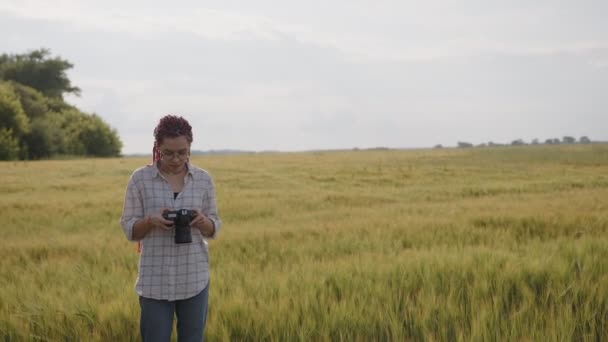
(308, 75)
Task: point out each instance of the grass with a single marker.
(447, 244)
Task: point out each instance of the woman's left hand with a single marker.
(202, 223)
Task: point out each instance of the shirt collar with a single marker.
(158, 174)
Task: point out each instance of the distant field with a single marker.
(449, 244)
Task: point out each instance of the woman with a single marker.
(173, 278)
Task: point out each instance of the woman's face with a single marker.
(174, 152)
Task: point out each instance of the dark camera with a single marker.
(181, 220)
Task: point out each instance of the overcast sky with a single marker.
(299, 75)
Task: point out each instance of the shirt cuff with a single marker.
(215, 228)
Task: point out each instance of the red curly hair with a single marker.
(170, 126)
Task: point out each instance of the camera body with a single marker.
(181, 220)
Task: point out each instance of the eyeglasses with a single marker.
(166, 154)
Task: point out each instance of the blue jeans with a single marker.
(156, 322)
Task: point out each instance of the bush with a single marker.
(9, 145)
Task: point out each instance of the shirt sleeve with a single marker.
(210, 208)
(133, 209)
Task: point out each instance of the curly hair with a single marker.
(170, 126)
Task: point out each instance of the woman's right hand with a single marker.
(158, 221)
(149, 222)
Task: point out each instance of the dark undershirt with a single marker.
(175, 195)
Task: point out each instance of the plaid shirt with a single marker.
(167, 270)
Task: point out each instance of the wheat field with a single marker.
(499, 244)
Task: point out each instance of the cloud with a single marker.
(325, 75)
(209, 23)
(388, 31)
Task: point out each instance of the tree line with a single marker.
(521, 142)
(36, 122)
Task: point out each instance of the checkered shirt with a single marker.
(169, 271)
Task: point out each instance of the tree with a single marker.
(518, 142)
(39, 140)
(12, 116)
(46, 137)
(568, 140)
(463, 144)
(35, 121)
(584, 140)
(84, 134)
(14, 124)
(34, 104)
(9, 145)
(98, 138)
(38, 70)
